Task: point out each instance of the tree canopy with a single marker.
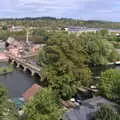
(110, 84)
(43, 106)
(7, 109)
(99, 50)
(106, 112)
(66, 58)
(63, 64)
(56, 23)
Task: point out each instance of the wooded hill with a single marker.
(58, 22)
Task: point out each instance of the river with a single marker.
(16, 82)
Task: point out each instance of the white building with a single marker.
(81, 29)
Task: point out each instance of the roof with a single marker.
(114, 30)
(68, 104)
(10, 40)
(3, 56)
(30, 92)
(81, 29)
(18, 102)
(84, 111)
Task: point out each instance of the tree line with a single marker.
(55, 23)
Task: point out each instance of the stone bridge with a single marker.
(20, 62)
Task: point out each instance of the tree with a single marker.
(43, 106)
(110, 84)
(7, 109)
(5, 27)
(106, 112)
(99, 50)
(104, 32)
(63, 64)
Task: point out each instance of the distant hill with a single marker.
(58, 22)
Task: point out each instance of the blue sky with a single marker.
(78, 9)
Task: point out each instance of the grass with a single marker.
(5, 70)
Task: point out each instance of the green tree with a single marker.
(99, 50)
(110, 84)
(5, 27)
(43, 106)
(106, 112)
(104, 32)
(7, 109)
(63, 64)
(65, 59)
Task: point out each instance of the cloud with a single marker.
(57, 8)
(83, 9)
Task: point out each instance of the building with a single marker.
(81, 29)
(19, 103)
(17, 28)
(14, 52)
(3, 57)
(86, 109)
(73, 29)
(30, 92)
(13, 28)
(114, 31)
(35, 48)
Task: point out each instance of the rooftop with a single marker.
(84, 111)
(30, 92)
(3, 57)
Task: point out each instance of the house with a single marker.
(17, 28)
(114, 31)
(30, 92)
(3, 57)
(86, 109)
(14, 52)
(19, 103)
(35, 48)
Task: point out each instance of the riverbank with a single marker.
(16, 82)
(5, 70)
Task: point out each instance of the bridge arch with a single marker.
(28, 71)
(22, 67)
(9, 60)
(37, 75)
(34, 70)
(14, 63)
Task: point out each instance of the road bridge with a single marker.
(34, 69)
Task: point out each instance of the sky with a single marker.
(108, 10)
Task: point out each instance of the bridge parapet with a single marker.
(33, 68)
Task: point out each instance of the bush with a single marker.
(110, 84)
(106, 113)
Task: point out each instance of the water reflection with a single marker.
(16, 82)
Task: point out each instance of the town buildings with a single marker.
(74, 29)
(21, 48)
(13, 28)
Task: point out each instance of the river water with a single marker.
(16, 82)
